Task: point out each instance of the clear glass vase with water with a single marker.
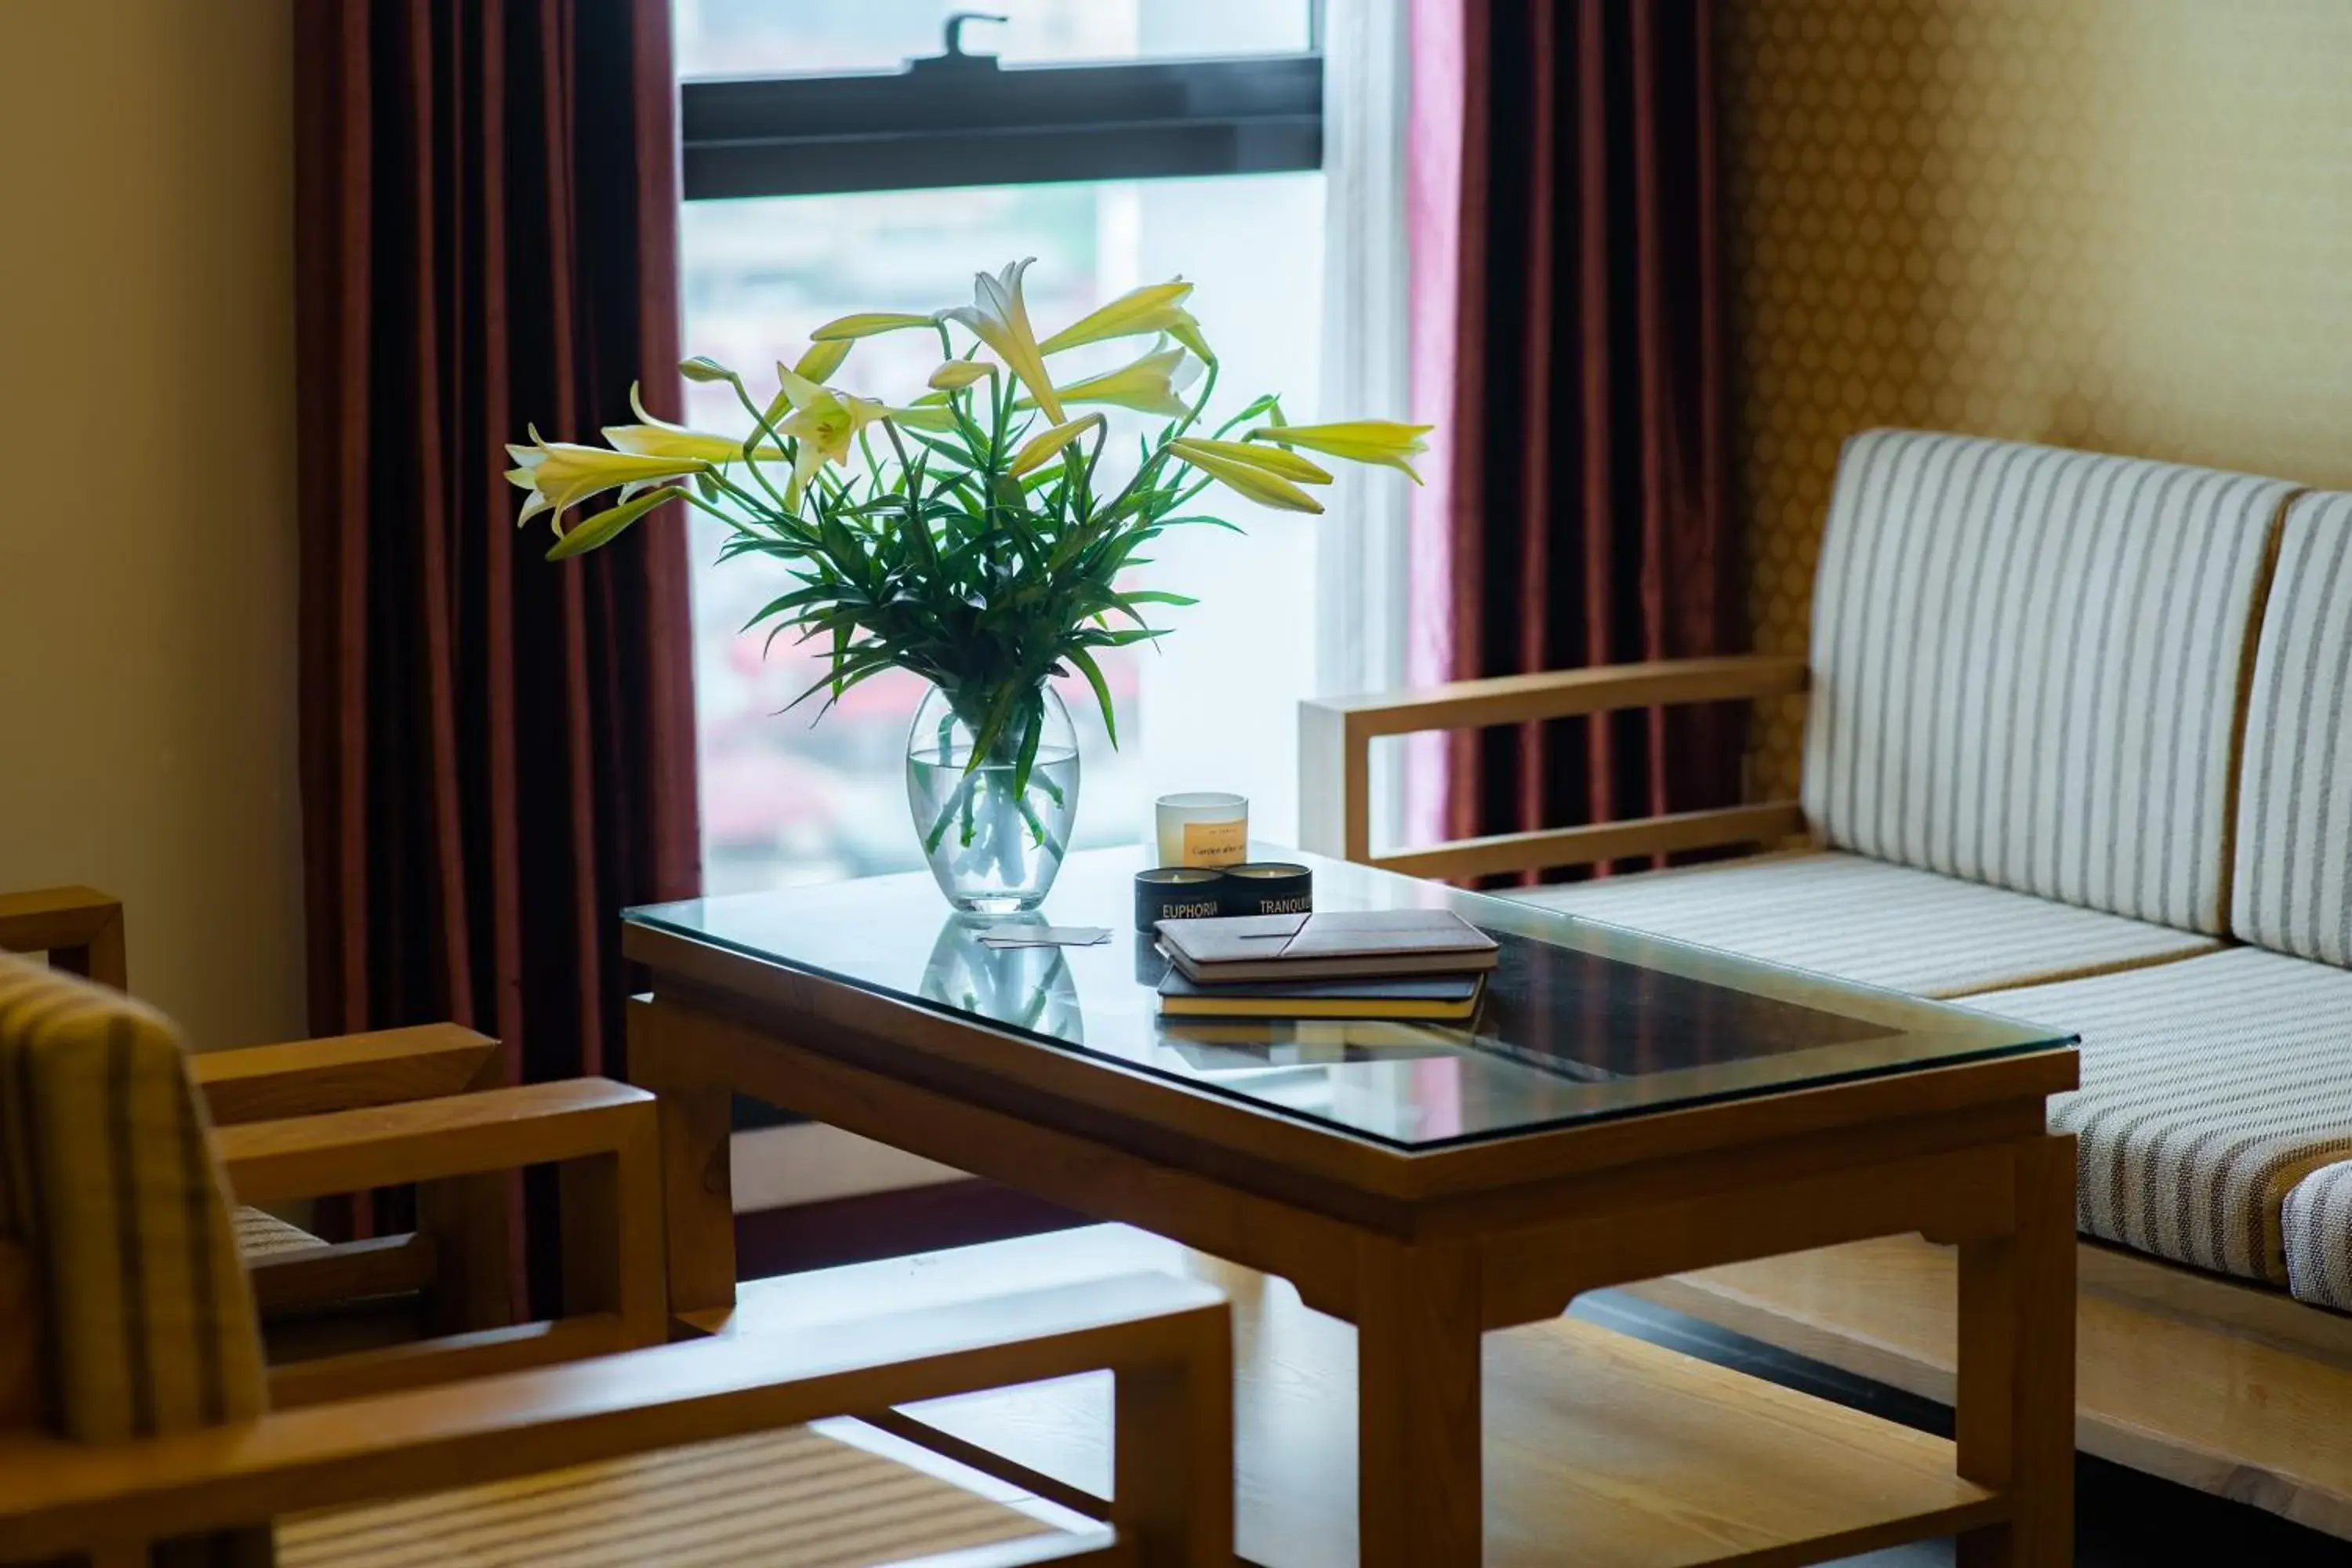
(994, 845)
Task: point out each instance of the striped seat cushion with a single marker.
(2026, 666)
(795, 1496)
(2293, 887)
(2211, 1088)
(2318, 1224)
(1870, 922)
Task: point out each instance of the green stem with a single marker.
(751, 453)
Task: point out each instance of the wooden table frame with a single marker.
(1422, 1251)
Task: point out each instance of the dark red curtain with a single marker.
(1590, 518)
(497, 754)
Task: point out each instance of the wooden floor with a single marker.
(2245, 1394)
(2124, 1517)
(1594, 1434)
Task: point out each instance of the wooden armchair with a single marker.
(376, 1109)
(1335, 737)
(137, 1424)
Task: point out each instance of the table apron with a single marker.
(1532, 1272)
(1316, 1252)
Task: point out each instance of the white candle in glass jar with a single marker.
(1203, 828)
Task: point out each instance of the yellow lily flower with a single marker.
(824, 357)
(1246, 479)
(998, 317)
(866, 325)
(559, 475)
(1147, 385)
(1383, 441)
(652, 437)
(958, 373)
(1273, 459)
(1036, 451)
(1154, 308)
(823, 421)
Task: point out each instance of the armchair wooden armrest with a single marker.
(1166, 1340)
(603, 1137)
(1335, 736)
(79, 927)
(343, 1072)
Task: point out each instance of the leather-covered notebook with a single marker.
(1371, 944)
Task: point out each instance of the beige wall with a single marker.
(2124, 224)
(147, 552)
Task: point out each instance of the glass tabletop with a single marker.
(1581, 1021)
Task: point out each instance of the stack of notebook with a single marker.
(1425, 964)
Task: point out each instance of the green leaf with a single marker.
(1093, 672)
(1035, 714)
(984, 741)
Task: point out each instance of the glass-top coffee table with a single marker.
(1623, 1108)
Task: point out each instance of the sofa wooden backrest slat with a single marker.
(2027, 664)
(2293, 889)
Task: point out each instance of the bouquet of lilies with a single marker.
(970, 533)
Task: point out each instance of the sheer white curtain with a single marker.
(1362, 620)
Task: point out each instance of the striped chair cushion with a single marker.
(1871, 922)
(2293, 887)
(2318, 1229)
(2026, 663)
(105, 1175)
(2211, 1088)
(795, 1497)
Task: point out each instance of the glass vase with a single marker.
(994, 850)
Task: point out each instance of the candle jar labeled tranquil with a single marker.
(1267, 888)
(1203, 827)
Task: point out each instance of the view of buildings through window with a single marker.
(787, 800)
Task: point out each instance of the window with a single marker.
(856, 184)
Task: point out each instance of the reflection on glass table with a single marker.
(1583, 1022)
(1029, 987)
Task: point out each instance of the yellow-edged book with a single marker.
(1427, 999)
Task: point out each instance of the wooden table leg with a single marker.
(2016, 1405)
(695, 1106)
(1420, 1499)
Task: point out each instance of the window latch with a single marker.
(953, 57)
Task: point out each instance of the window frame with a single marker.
(964, 120)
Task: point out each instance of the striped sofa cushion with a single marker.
(105, 1175)
(2318, 1229)
(796, 1496)
(2293, 884)
(1871, 922)
(2026, 662)
(2211, 1088)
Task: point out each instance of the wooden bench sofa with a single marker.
(2079, 749)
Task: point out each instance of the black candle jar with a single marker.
(1268, 887)
(1178, 893)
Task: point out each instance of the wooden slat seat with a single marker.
(261, 1234)
(797, 1496)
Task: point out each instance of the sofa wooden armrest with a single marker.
(1335, 736)
(1165, 1340)
(603, 1137)
(79, 927)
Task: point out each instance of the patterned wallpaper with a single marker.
(2124, 224)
